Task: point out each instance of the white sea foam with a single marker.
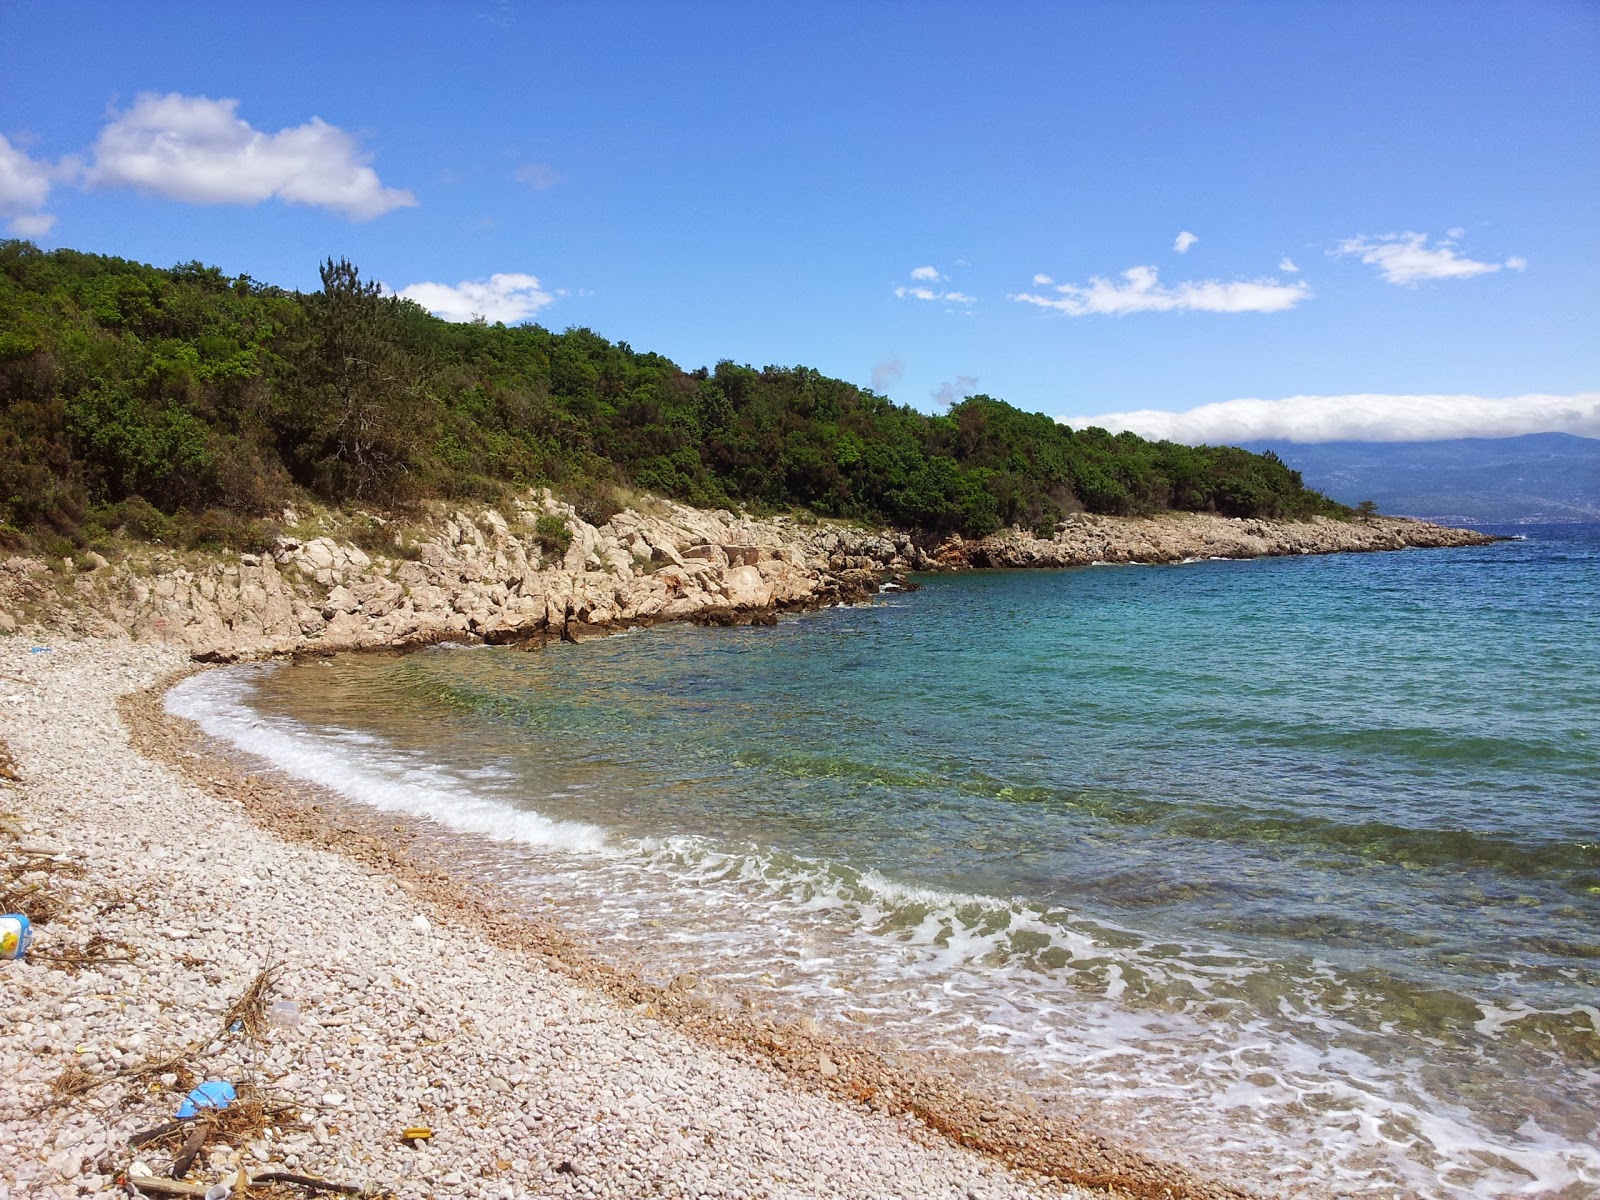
(365, 768)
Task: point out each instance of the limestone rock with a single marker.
(483, 576)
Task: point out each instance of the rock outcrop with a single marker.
(502, 577)
(1082, 539)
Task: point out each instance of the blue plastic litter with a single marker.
(41, 650)
(213, 1094)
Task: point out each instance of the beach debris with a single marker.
(193, 1143)
(283, 1014)
(421, 923)
(98, 951)
(145, 1137)
(73, 1081)
(214, 1093)
(307, 1182)
(153, 1185)
(248, 1014)
(15, 934)
(415, 1133)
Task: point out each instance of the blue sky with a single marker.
(1395, 205)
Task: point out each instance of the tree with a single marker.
(1367, 509)
(361, 397)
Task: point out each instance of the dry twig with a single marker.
(250, 1009)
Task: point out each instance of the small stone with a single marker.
(825, 1067)
(421, 924)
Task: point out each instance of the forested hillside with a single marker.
(183, 403)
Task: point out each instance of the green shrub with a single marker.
(138, 518)
(218, 529)
(553, 534)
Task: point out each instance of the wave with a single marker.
(364, 768)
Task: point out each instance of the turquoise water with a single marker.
(1289, 866)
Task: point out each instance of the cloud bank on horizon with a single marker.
(1360, 418)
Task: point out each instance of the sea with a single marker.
(1286, 868)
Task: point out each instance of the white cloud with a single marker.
(509, 298)
(950, 393)
(918, 290)
(1406, 258)
(199, 150)
(1362, 418)
(888, 373)
(540, 177)
(24, 188)
(1142, 291)
(1184, 241)
(1042, 280)
(1286, 264)
(31, 225)
(24, 183)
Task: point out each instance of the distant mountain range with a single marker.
(1522, 480)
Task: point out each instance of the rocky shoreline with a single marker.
(171, 884)
(539, 572)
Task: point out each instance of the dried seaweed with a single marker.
(72, 1082)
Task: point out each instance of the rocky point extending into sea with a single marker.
(489, 575)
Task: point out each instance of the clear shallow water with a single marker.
(1289, 866)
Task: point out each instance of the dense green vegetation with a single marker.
(165, 400)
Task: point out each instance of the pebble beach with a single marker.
(194, 923)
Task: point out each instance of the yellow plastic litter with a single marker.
(416, 1133)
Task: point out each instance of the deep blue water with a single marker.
(1292, 866)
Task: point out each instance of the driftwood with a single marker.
(192, 1146)
(154, 1185)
